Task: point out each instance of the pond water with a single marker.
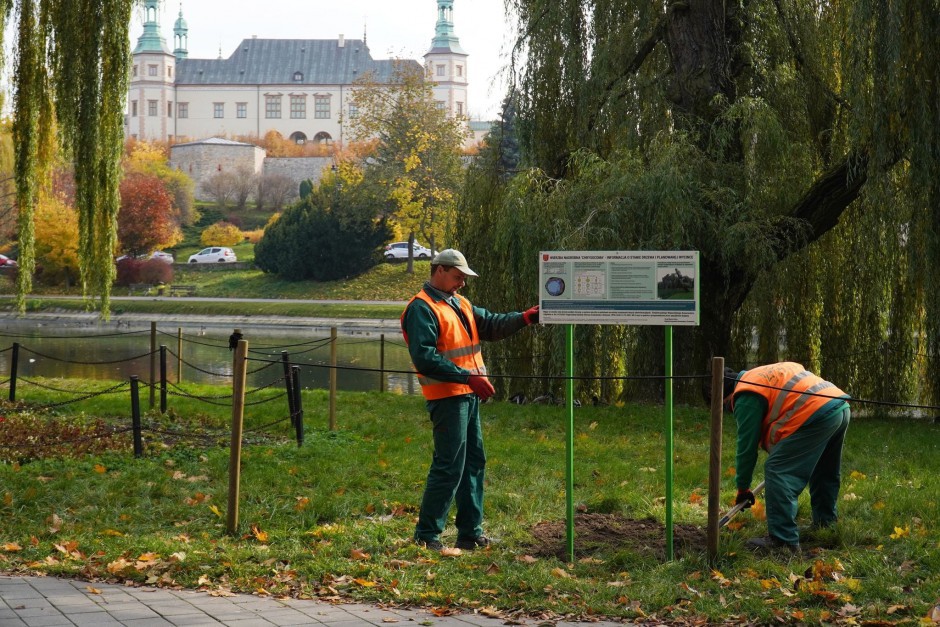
(203, 356)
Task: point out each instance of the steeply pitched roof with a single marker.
(276, 61)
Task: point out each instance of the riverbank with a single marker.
(132, 321)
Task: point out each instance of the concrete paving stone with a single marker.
(33, 608)
(258, 604)
(46, 621)
(13, 622)
(147, 622)
(95, 619)
(287, 616)
(17, 593)
(133, 613)
(151, 595)
(194, 620)
(171, 608)
(76, 606)
(249, 622)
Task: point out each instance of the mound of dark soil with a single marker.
(609, 533)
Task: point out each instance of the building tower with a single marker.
(150, 99)
(180, 37)
(446, 64)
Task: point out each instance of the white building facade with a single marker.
(298, 87)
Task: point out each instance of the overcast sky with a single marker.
(395, 28)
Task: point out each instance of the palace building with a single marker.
(298, 87)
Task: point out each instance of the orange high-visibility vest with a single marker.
(454, 343)
(789, 392)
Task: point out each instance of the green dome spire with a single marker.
(151, 40)
(444, 37)
(180, 36)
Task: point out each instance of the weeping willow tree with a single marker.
(792, 142)
(72, 61)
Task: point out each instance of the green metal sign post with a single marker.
(669, 443)
(569, 447)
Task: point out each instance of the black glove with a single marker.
(746, 497)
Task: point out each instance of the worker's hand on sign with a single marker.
(746, 497)
(531, 315)
(481, 386)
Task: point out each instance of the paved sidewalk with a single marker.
(48, 601)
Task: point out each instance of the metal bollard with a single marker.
(135, 415)
(298, 405)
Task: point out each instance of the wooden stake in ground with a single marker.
(240, 368)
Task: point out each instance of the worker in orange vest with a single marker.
(443, 331)
(800, 420)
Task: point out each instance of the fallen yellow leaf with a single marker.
(12, 547)
(561, 573)
(93, 590)
(215, 510)
(100, 469)
(358, 554)
(261, 536)
(451, 551)
(901, 532)
(365, 583)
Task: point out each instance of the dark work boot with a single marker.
(770, 543)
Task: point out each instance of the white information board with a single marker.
(619, 287)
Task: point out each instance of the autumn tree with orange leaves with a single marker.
(145, 220)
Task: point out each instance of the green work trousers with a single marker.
(811, 455)
(456, 471)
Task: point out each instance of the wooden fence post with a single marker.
(332, 378)
(714, 466)
(239, 369)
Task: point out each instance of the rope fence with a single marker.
(261, 358)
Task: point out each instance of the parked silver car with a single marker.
(214, 254)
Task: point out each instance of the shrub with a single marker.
(316, 240)
(155, 271)
(222, 234)
(253, 236)
(128, 271)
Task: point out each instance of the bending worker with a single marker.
(443, 332)
(800, 420)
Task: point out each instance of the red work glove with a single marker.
(481, 386)
(746, 497)
(531, 315)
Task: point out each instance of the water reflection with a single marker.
(204, 357)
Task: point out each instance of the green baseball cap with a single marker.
(455, 259)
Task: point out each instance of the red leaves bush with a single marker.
(151, 271)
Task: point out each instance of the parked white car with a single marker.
(399, 250)
(157, 254)
(214, 254)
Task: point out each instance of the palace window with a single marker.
(241, 109)
(440, 70)
(218, 109)
(151, 70)
(182, 109)
(152, 108)
(298, 107)
(169, 109)
(321, 107)
(459, 108)
(272, 107)
(353, 111)
(133, 108)
(459, 70)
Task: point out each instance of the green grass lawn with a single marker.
(334, 517)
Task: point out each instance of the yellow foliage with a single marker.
(221, 234)
(56, 226)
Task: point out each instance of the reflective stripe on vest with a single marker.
(454, 344)
(789, 390)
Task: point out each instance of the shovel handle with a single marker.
(737, 508)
